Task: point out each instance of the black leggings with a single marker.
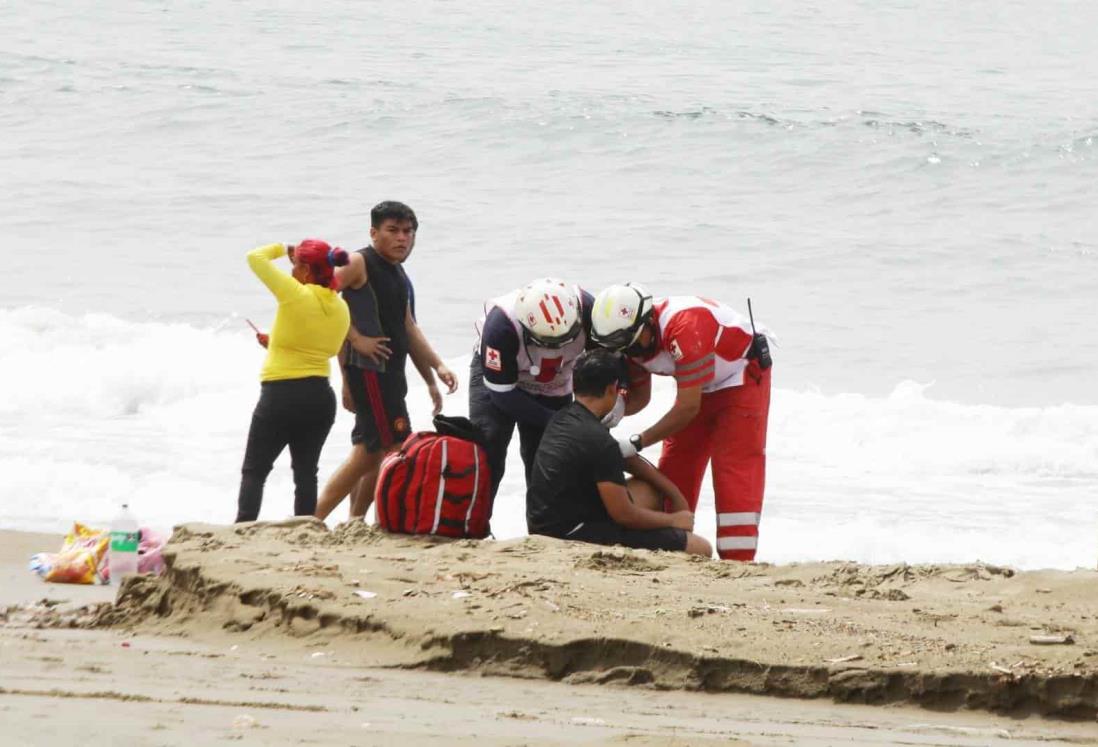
(297, 413)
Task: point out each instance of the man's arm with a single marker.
(690, 339)
(640, 467)
(499, 349)
(428, 376)
(419, 347)
(353, 274)
(375, 348)
(631, 516)
(687, 404)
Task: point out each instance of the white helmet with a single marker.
(550, 313)
(619, 314)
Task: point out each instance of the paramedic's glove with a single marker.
(631, 446)
(612, 418)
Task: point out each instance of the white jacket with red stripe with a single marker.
(510, 362)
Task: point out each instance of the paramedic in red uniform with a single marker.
(722, 373)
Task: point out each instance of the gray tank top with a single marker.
(366, 317)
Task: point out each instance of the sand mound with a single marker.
(619, 561)
(939, 636)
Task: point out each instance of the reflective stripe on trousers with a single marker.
(738, 531)
(730, 432)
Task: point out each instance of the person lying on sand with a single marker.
(577, 488)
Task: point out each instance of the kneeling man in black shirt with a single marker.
(577, 487)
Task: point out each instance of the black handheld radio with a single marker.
(760, 348)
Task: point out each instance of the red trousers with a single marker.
(730, 431)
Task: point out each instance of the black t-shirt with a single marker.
(575, 453)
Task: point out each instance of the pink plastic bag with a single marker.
(149, 559)
(148, 552)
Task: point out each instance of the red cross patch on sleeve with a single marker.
(676, 351)
(492, 360)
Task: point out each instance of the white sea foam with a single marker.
(99, 410)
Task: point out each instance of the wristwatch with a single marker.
(637, 441)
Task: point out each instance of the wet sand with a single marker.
(257, 634)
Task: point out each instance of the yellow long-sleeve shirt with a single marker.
(309, 327)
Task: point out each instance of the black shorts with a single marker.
(609, 533)
(381, 414)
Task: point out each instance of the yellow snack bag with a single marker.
(81, 556)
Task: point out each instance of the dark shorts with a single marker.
(381, 414)
(609, 533)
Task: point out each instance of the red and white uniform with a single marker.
(705, 343)
(510, 362)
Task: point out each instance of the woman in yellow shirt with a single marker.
(296, 404)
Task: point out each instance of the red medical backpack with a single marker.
(435, 484)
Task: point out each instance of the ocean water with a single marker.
(905, 189)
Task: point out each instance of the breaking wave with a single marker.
(98, 410)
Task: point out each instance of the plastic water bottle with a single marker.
(124, 541)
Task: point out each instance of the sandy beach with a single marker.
(292, 634)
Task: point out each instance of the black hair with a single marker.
(392, 210)
(595, 370)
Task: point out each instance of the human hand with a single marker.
(373, 348)
(683, 520)
(348, 400)
(436, 398)
(676, 499)
(262, 338)
(627, 448)
(447, 377)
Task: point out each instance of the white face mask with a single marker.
(612, 418)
